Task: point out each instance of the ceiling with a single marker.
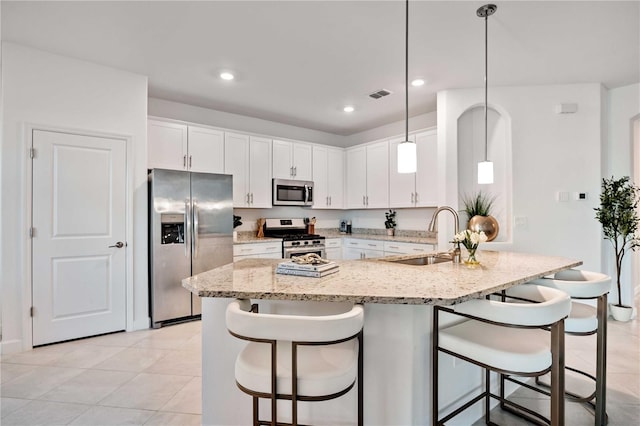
(300, 62)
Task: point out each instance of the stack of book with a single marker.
(307, 270)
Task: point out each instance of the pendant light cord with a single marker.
(406, 73)
(486, 84)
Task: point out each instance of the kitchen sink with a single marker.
(430, 259)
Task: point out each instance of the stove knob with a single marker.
(295, 243)
(306, 242)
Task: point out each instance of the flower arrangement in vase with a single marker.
(470, 240)
(390, 222)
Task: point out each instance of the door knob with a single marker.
(119, 244)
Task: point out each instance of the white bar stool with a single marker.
(510, 339)
(296, 357)
(586, 320)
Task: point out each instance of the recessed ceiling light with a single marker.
(348, 108)
(417, 82)
(226, 75)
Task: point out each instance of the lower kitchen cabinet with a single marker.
(333, 248)
(362, 249)
(271, 250)
(391, 248)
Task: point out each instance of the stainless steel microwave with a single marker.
(292, 192)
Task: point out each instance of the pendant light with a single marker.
(407, 161)
(485, 168)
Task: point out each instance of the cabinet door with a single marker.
(427, 172)
(282, 161)
(378, 175)
(356, 178)
(401, 185)
(335, 177)
(301, 161)
(260, 172)
(236, 163)
(167, 145)
(206, 150)
(320, 181)
(333, 253)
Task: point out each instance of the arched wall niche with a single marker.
(471, 150)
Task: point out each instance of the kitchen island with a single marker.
(397, 333)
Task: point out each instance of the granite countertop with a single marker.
(379, 281)
(415, 237)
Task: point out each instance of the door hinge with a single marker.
(32, 153)
(31, 312)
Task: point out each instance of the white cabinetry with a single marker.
(333, 248)
(291, 160)
(363, 249)
(247, 159)
(177, 146)
(391, 248)
(415, 189)
(368, 176)
(270, 250)
(328, 177)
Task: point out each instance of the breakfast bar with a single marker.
(398, 300)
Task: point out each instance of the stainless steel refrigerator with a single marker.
(190, 231)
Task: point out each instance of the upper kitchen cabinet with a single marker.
(246, 158)
(328, 177)
(291, 160)
(417, 189)
(368, 176)
(180, 147)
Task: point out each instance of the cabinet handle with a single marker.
(291, 171)
(190, 161)
(412, 198)
(247, 198)
(395, 247)
(371, 245)
(184, 161)
(367, 200)
(363, 203)
(329, 199)
(295, 171)
(252, 198)
(416, 197)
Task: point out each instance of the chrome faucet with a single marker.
(434, 220)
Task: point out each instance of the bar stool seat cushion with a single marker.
(321, 370)
(509, 349)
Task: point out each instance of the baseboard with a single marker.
(10, 347)
(141, 324)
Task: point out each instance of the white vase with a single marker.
(620, 313)
(391, 232)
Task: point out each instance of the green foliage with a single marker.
(390, 223)
(236, 221)
(618, 215)
(478, 204)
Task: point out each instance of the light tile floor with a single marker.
(150, 377)
(153, 377)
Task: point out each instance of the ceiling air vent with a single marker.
(380, 94)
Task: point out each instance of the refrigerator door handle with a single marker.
(194, 238)
(187, 227)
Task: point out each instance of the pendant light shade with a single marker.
(407, 156)
(485, 168)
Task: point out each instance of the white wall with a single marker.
(550, 153)
(419, 122)
(50, 90)
(178, 111)
(623, 110)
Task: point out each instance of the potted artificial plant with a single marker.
(618, 215)
(390, 223)
(478, 209)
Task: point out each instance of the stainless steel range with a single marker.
(295, 239)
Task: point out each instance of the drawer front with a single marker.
(255, 249)
(333, 242)
(406, 248)
(365, 244)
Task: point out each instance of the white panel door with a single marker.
(335, 178)
(356, 177)
(427, 173)
(301, 154)
(320, 181)
(260, 172)
(282, 160)
(79, 246)
(206, 150)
